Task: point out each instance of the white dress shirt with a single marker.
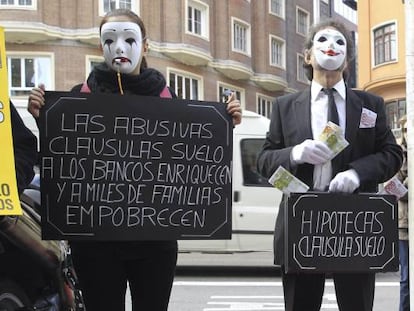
(322, 173)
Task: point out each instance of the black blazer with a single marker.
(372, 152)
(25, 150)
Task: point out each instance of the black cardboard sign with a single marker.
(135, 168)
(327, 232)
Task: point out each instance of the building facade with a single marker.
(203, 47)
(382, 67)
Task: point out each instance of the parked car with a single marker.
(255, 201)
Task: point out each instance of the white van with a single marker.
(255, 201)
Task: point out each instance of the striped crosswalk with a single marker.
(228, 295)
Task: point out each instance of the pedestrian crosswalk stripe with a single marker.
(265, 284)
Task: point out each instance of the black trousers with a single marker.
(304, 292)
(104, 269)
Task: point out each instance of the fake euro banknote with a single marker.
(283, 180)
(333, 137)
(394, 187)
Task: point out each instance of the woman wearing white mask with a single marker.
(104, 268)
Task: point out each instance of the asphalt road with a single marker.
(249, 282)
(253, 293)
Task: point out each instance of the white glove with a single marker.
(311, 151)
(345, 182)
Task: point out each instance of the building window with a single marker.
(18, 4)
(301, 75)
(27, 72)
(277, 52)
(241, 37)
(277, 7)
(302, 22)
(110, 5)
(344, 10)
(395, 110)
(91, 62)
(185, 86)
(385, 45)
(197, 18)
(227, 88)
(264, 105)
(106, 6)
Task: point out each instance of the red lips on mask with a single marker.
(330, 53)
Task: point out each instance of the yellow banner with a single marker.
(9, 196)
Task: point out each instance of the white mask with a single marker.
(122, 45)
(329, 48)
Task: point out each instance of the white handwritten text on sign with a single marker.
(132, 168)
(328, 232)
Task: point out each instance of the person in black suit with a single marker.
(25, 150)
(372, 157)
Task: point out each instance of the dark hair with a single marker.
(322, 25)
(134, 18)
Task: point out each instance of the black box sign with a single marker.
(135, 168)
(327, 232)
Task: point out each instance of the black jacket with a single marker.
(102, 79)
(149, 82)
(25, 150)
(372, 152)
